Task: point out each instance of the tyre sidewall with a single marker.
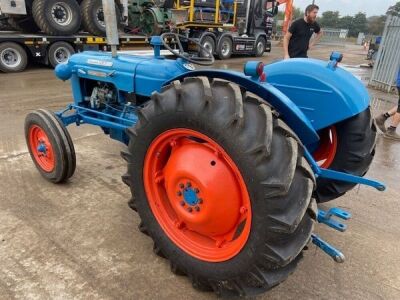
(210, 40)
(24, 57)
(220, 54)
(51, 131)
(257, 53)
(349, 143)
(54, 47)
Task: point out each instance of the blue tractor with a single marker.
(225, 168)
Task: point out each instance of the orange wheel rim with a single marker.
(197, 194)
(326, 151)
(41, 148)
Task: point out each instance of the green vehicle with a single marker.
(223, 27)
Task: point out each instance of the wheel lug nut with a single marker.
(179, 193)
(188, 184)
(196, 190)
(182, 203)
(200, 201)
(181, 185)
(189, 209)
(197, 208)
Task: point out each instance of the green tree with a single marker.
(359, 24)
(346, 22)
(394, 10)
(297, 13)
(330, 19)
(376, 24)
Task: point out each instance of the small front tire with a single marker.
(50, 146)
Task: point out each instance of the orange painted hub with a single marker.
(41, 148)
(197, 194)
(326, 151)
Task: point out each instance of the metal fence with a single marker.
(334, 36)
(387, 61)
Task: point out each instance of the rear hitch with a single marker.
(336, 254)
(325, 217)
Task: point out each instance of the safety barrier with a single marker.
(387, 64)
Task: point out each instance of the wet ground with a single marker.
(80, 240)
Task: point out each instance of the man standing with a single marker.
(390, 132)
(297, 40)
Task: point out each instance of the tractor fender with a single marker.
(326, 94)
(289, 112)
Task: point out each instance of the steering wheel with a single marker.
(202, 61)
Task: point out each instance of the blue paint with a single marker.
(290, 113)
(336, 175)
(336, 254)
(41, 148)
(307, 94)
(325, 95)
(325, 217)
(190, 196)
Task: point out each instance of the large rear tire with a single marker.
(57, 17)
(221, 186)
(353, 154)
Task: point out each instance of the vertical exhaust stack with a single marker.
(110, 19)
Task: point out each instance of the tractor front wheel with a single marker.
(221, 186)
(50, 145)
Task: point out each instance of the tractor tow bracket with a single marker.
(325, 217)
(341, 176)
(336, 254)
(84, 115)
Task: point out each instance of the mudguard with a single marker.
(290, 113)
(326, 94)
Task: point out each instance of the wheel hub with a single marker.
(61, 55)
(197, 194)
(10, 57)
(41, 148)
(61, 14)
(100, 17)
(225, 48)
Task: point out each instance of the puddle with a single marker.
(361, 73)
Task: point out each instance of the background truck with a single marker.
(59, 17)
(17, 49)
(223, 27)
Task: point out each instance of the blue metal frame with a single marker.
(144, 75)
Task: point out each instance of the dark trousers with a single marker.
(398, 103)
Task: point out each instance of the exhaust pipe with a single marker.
(110, 19)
